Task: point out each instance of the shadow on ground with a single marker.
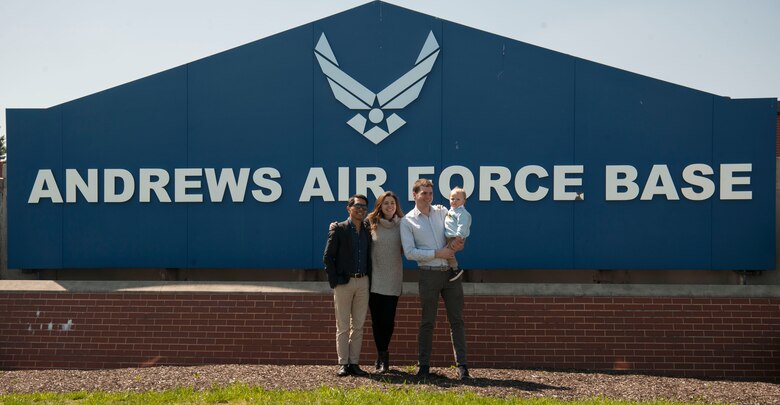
(437, 379)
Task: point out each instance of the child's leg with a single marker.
(453, 263)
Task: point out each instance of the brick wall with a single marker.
(777, 138)
(716, 337)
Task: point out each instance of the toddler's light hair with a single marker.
(459, 190)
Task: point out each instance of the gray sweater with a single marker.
(386, 260)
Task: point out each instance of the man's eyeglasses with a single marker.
(360, 206)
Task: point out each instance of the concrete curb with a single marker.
(320, 287)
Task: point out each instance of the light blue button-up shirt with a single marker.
(422, 236)
(457, 223)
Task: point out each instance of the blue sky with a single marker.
(53, 51)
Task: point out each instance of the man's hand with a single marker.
(457, 244)
(445, 253)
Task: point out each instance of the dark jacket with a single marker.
(339, 258)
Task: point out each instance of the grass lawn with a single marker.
(243, 394)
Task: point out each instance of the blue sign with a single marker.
(242, 159)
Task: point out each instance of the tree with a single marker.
(2, 147)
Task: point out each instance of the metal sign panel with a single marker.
(242, 159)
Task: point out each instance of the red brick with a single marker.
(676, 336)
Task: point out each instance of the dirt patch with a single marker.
(487, 382)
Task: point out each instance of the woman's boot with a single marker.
(384, 362)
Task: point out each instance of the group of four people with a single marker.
(365, 269)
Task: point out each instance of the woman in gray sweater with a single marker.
(387, 272)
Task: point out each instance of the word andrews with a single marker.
(529, 183)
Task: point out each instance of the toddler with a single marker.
(456, 225)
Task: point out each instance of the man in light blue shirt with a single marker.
(422, 237)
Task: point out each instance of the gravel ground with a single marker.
(487, 382)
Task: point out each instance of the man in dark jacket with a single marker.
(348, 264)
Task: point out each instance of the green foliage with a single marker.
(411, 369)
(244, 394)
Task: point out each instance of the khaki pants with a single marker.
(453, 263)
(351, 302)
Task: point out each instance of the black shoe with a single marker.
(463, 373)
(355, 370)
(344, 370)
(424, 372)
(383, 364)
(455, 274)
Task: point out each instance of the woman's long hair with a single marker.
(373, 217)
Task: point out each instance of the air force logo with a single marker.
(396, 96)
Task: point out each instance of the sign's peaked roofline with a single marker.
(431, 43)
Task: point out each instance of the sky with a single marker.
(54, 51)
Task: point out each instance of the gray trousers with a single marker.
(432, 284)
